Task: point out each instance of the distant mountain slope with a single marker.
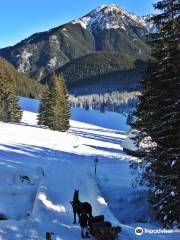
(104, 69)
(107, 28)
(24, 85)
(39, 54)
(115, 29)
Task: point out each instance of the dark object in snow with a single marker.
(83, 220)
(96, 160)
(28, 214)
(24, 178)
(103, 230)
(3, 217)
(40, 171)
(48, 235)
(95, 219)
(115, 232)
(80, 207)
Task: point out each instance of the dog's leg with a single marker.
(79, 217)
(74, 218)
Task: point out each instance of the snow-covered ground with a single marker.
(39, 170)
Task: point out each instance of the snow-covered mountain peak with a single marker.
(111, 16)
(110, 8)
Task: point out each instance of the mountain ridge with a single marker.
(41, 53)
(99, 13)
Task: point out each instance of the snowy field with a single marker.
(39, 170)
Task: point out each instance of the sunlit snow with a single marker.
(40, 168)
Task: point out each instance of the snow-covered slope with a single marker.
(112, 16)
(39, 170)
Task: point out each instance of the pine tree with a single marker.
(158, 115)
(54, 107)
(9, 108)
(43, 109)
(66, 105)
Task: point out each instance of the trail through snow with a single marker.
(57, 163)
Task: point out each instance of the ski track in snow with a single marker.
(57, 163)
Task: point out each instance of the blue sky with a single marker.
(21, 18)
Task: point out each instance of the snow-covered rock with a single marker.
(112, 16)
(53, 62)
(25, 65)
(129, 144)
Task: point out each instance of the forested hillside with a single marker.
(24, 86)
(101, 67)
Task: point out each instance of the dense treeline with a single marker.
(24, 86)
(157, 119)
(9, 108)
(95, 67)
(122, 102)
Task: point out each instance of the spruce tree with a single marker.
(54, 107)
(43, 109)
(9, 108)
(66, 105)
(158, 115)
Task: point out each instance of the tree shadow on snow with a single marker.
(103, 130)
(35, 155)
(98, 137)
(106, 149)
